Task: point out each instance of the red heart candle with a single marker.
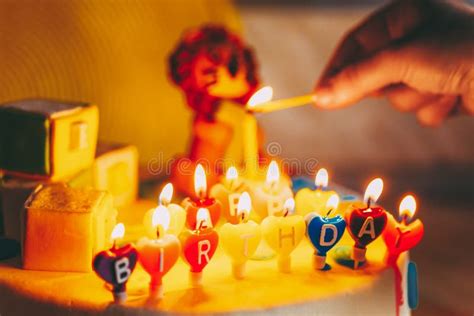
(158, 256)
(367, 223)
(199, 246)
(402, 236)
(202, 200)
(116, 265)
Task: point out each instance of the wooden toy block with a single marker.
(115, 170)
(47, 139)
(13, 194)
(64, 227)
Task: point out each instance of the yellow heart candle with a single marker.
(308, 200)
(177, 214)
(283, 234)
(240, 240)
(228, 194)
(269, 197)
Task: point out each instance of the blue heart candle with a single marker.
(324, 232)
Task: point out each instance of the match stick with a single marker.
(281, 104)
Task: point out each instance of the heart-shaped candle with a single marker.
(115, 265)
(158, 256)
(283, 233)
(401, 237)
(199, 246)
(202, 200)
(241, 240)
(324, 232)
(367, 223)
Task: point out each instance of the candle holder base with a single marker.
(156, 292)
(195, 279)
(238, 271)
(358, 255)
(120, 297)
(284, 264)
(319, 262)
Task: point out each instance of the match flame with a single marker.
(273, 173)
(231, 174)
(161, 217)
(200, 183)
(407, 206)
(374, 190)
(322, 178)
(263, 95)
(333, 202)
(203, 218)
(118, 232)
(289, 206)
(166, 194)
(244, 205)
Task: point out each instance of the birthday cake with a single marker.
(241, 238)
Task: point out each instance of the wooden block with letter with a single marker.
(46, 139)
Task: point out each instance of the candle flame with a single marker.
(333, 202)
(118, 232)
(374, 190)
(289, 206)
(203, 218)
(231, 174)
(200, 183)
(161, 217)
(322, 178)
(407, 206)
(263, 95)
(166, 194)
(244, 205)
(273, 173)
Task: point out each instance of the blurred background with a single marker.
(113, 53)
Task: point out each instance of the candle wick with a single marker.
(243, 216)
(369, 201)
(329, 212)
(287, 211)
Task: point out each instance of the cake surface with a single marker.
(339, 291)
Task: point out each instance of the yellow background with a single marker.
(111, 53)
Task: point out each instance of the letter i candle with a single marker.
(199, 246)
(283, 233)
(324, 232)
(116, 265)
(367, 223)
(157, 256)
(202, 200)
(241, 240)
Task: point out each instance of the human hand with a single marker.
(418, 53)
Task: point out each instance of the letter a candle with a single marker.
(367, 223)
(241, 240)
(324, 232)
(157, 256)
(116, 265)
(199, 246)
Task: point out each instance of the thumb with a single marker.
(360, 79)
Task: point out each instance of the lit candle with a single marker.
(268, 198)
(404, 235)
(176, 212)
(250, 132)
(283, 233)
(324, 232)
(202, 200)
(116, 265)
(308, 200)
(240, 240)
(199, 246)
(158, 255)
(228, 193)
(367, 223)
